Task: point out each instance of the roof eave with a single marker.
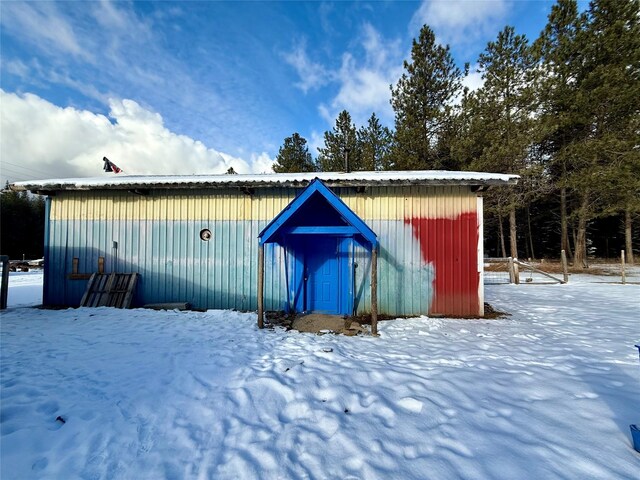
(53, 187)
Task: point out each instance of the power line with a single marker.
(20, 175)
(40, 172)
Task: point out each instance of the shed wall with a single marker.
(427, 263)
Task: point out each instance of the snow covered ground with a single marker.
(25, 288)
(548, 392)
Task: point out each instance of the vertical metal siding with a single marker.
(426, 234)
(47, 242)
(158, 236)
(428, 249)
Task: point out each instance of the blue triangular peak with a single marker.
(319, 197)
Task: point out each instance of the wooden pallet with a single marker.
(110, 290)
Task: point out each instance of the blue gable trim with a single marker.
(276, 226)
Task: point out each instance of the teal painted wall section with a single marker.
(174, 264)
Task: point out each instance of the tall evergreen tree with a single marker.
(610, 94)
(374, 145)
(469, 141)
(502, 116)
(294, 156)
(560, 124)
(468, 146)
(422, 101)
(339, 141)
(603, 158)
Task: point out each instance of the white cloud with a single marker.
(16, 67)
(41, 24)
(109, 16)
(363, 77)
(473, 81)
(106, 49)
(364, 90)
(312, 75)
(316, 141)
(42, 140)
(461, 22)
(261, 163)
(364, 81)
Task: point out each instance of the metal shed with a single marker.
(197, 239)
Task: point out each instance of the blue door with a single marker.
(322, 268)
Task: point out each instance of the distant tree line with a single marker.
(21, 225)
(563, 112)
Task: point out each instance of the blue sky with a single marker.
(221, 83)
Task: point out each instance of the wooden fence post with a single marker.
(4, 282)
(261, 286)
(374, 290)
(512, 276)
(565, 268)
(624, 274)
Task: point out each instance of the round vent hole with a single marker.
(205, 234)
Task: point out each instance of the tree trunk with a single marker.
(504, 250)
(581, 237)
(628, 237)
(565, 244)
(512, 232)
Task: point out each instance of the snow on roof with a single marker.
(331, 179)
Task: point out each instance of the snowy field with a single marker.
(25, 288)
(547, 393)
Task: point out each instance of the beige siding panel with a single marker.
(170, 205)
(379, 203)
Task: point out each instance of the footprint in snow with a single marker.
(40, 464)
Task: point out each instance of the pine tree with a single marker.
(468, 146)
(294, 156)
(422, 101)
(469, 141)
(602, 157)
(559, 123)
(502, 112)
(609, 96)
(339, 141)
(374, 145)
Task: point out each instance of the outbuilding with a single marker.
(314, 237)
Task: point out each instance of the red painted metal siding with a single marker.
(450, 245)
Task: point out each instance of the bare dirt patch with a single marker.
(316, 323)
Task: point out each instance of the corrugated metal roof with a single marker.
(331, 179)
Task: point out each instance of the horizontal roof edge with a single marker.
(296, 180)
